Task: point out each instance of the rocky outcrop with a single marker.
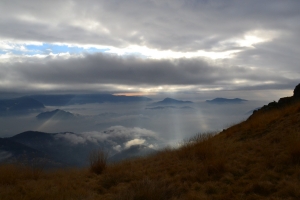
(297, 91)
(282, 101)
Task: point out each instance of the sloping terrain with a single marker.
(255, 159)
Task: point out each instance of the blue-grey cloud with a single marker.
(99, 69)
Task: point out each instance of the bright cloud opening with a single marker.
(134, 142)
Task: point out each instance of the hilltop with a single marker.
(256, 159)
(170, 101)
(57, 114)
(224, 100)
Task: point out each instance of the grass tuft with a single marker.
(98, 161)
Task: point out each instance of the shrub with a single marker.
(199, 146)
(98, 161)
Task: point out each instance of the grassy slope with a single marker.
(256, 159)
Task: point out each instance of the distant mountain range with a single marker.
(71, 99)
(24, 105)
(224, 100)
(170, 101)
(19, 105)
(57, 115)
(168, 107)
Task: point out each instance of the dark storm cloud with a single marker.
(100, 69)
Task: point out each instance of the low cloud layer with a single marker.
(117, 138)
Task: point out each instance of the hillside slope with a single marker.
(255, 159)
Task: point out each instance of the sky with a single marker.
(233, 48)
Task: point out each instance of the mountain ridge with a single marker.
(170, 101)
(221, 100)
(57, 114)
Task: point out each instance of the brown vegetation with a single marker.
(255, 159)
(98, 161)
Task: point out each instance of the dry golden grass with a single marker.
(255, 159)
(19, 182)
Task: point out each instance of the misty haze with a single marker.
(82, 123)
(171, 122)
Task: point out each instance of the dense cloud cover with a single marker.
(149, 46)
(100, 70)
(177, 25)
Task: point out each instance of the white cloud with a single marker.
(169, 54)
(71, 137)
(134, 142)
(117, 148)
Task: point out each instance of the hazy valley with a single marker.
(66, 128)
